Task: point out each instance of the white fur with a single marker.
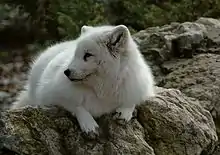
(116, 83)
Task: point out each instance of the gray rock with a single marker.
(174, 124)
(185, 56)
(55, 131)
(160, 44)
(198, 77)
(170, 123)
(178, 40)
(170, 40)
(209, 22)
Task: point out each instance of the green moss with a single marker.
(40, 21)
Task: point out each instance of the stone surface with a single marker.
(186, 56)
(198, 77)
(170, 123)
(55, 131)
(178, 40)
(176, 124)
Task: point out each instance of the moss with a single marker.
(43, 20)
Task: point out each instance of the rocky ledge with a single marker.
(169, 124)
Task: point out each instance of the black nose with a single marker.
(67, 72)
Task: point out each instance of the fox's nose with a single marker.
(67, 72)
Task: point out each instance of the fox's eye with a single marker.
(86, 56)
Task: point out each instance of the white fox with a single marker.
(100, 72)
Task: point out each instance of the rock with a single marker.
(175, 123)
(178, 40)
(55, 131)
(209, 22)
(217, 150)
(170, 123)
(198, 77)
(186, 56)
(170, 40)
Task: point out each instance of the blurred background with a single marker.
(27, 26)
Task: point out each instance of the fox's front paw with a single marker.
(123, 115)
(91, 135)
(90, 129)
(87, 123)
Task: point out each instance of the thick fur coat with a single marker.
(100, 72)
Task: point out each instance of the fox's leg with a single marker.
(86, 122)
(124, 113)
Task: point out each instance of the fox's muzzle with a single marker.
(70, 75)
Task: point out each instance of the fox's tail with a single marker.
(22, 100)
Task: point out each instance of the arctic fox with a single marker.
(100, 72)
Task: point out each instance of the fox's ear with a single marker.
(119, 36)
(85, 28)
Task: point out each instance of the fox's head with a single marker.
(101, 51)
